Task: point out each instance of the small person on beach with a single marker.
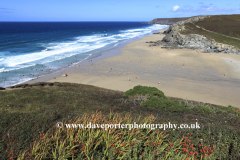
(128, 79)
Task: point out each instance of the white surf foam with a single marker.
(21, 59)
(82, 44)
(1, 69)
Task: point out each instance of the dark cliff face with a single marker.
(166, 21)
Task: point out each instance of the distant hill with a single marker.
(167, 21)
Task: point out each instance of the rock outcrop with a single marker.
(174, 39)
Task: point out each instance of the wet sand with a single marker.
(183, 73)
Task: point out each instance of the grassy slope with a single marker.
(224, 24)
(227, 25)
(28, 113)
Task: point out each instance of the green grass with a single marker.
(27, 114)
(225, 24)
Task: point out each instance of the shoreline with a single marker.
(182, 73)
(48, 54)
(93, 59)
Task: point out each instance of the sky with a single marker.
(111, 10)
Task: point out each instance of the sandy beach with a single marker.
(183, 73)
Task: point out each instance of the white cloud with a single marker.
(205, 9)
(210, 9)
(176, 7)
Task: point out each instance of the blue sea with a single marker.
(32, 49)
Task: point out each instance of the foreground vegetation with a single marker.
(29, 116)
(222, 28)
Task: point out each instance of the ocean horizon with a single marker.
(32, 49)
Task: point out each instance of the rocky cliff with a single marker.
(174, 39)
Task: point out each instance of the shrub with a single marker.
(157, 99)
(206, 109)
(203, 109)
(144, 90)
(160, 103)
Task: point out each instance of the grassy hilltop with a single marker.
(222, 28)
(166, 21)
(29, 114)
